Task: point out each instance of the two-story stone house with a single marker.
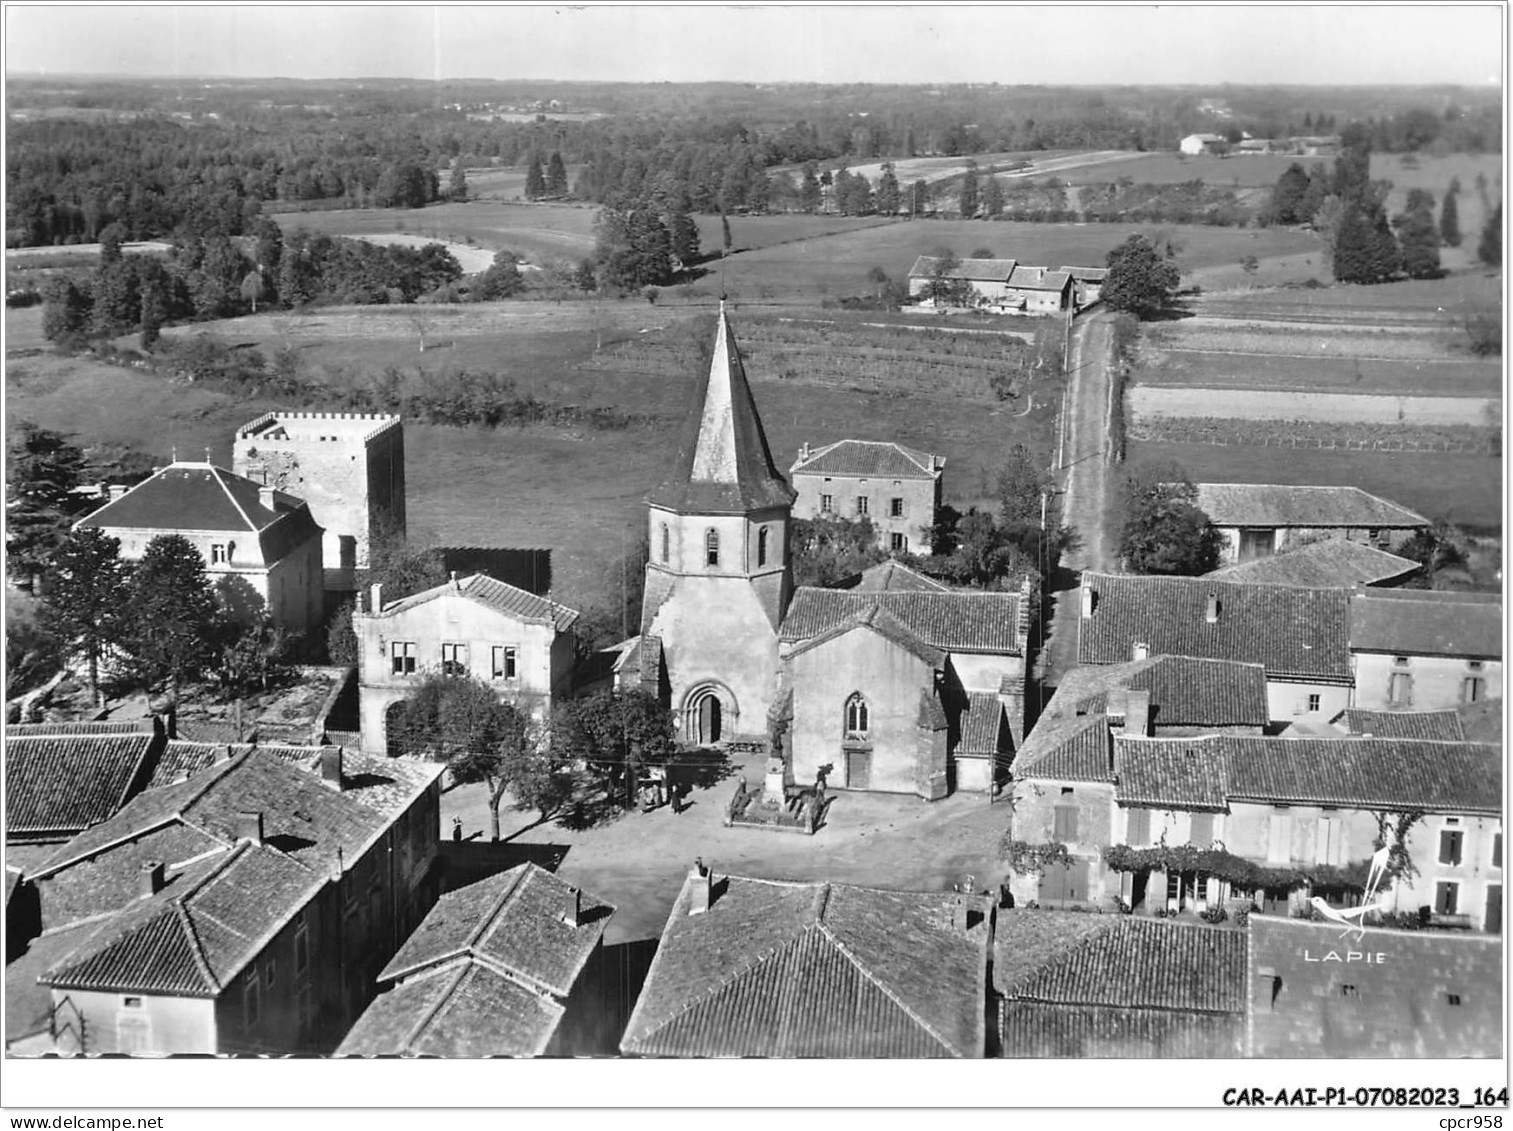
(1424, 650)
(518, 643)
(242, 529)
(897, 489)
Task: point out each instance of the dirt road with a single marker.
(1084, 478)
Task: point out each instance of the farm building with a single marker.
(897, 489)
(1087, 284)
(769, 968)
(245, 531)
(518, 643)
(1002, 284)
(1424, 650)
(904, 690)
(348, 466)
(1259, 519)
(1038, 290)
(1328, 562)
(1194, 144)
(989, 278)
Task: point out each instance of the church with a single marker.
(896, 690)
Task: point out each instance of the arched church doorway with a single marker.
(706, 719)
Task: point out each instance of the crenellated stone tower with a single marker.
(718, 580)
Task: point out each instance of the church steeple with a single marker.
(723, 465)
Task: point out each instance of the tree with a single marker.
(1365, 250)
(1489, 248)
(457, 184)
(683, 235)
(111, 240)
(726, 243)
(172, 614)
(1288, 197)
(154, 303)
(919, 198)
(984, 554)
(888, 194)
(968, 198)
(253, 288)
(556, 174)
(84, 598)
(1449, 221)
(809, 189)
(830, 551)
(992, 199)
(43, 468)
(66, 309)
(535, 181)
(1419, 239)
(502, 280)
(615, 734)
(1140, 280)
(1164, 531)
(1022, 484)
(634, 248)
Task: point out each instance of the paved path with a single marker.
(1085, 480)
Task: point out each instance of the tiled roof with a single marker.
(1362, 773)
(181, 759)
(802, 970)
(496, 595)
(463, 1010)
(894, 577)
(1087, 274)
(1187, 691)
(1328, 562)
(1294, 633)
(869, 459)
(80, 729)
(974, 270)
(200, 496)
(1425, 622)
(882, 622)
(1441, 726)
(723, 464)
(530, 570)
(1170, 775)
(1039, 279)
(1080, 1032)
(1264, 504)
(982, 724)
(1066, 748)
(514, 922)
(958, 621)
(1066, 958)
(64, 784)
(197, 933)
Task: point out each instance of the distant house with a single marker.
(492, 970)
(767, 968)
(898, 489)
(516, 642)
(1256, 520)
(1097, 986)
(1194, 144)
(1434, 994)
(905, 690)
(1329, 562)
(1300, 636)
(245, 908)
(1087, 284)
(1424, 650)
(243, 530)
(989, 278)
(1037, 290)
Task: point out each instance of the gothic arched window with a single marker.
(712, 547)
(856, 716)
(762, 546)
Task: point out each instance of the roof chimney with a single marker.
(330, 766)
(377, 603)
(572, 906)
(1211, 610)
(151, 881)
(1087, 601)
(701, 884)
(249, 826)
(804, 451)
(962, 907)
(265, 498)
(1137, 713)
(1141, 650)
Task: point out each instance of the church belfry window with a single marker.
(712, 547)
(762, 546)
(856, 716)
(666, 542)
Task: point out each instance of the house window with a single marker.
(270, 973)
(1452, 999)
(1497, 850)
(504, 662)
(1329, 845)
(895, 508)
(1137, 832)
(454, 659)
(898, 543)
(1313, 703)
(1400, 690)
(1279, 842)
(217, 553)
(827, 504)
(862, 503)
(856, 716)
(1446, 897)
(666, 542)
(1473, 689)
(1064, 818)
(132, 1001)
(762, 546)
(251, 1005)
(301, 944)
(1201, 835)
(712, 547)
(1348, 990)
(1450, 846)
(402, 653)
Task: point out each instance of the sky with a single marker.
(768, 43)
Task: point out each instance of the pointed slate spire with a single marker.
(723, 465)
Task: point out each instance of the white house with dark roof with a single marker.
(516, 642)
(1195, 144)
(1424, 650)
(1037, 290)
(1256, 520)
(767, 968)
(497, 968)
(898, 489)
(989, 278)
(243, 530)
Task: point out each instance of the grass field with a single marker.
(1463, 489)
(536, 231)
(1461, 378)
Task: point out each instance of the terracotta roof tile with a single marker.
(1441, 726)
(958, 621)
(869, 459)
(1425, 622)
(1067, 748)
(1035, 1029)
(64, 784)
(1268, 505)
(1170, 775)
(1330, 562)
(982, 725)
(894, 577)
(1294, 633)
(496, 595)
(973, 270)
(80, 729)
(1187, 691)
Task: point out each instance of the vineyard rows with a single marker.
(1164, 401)
(1231, 432)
